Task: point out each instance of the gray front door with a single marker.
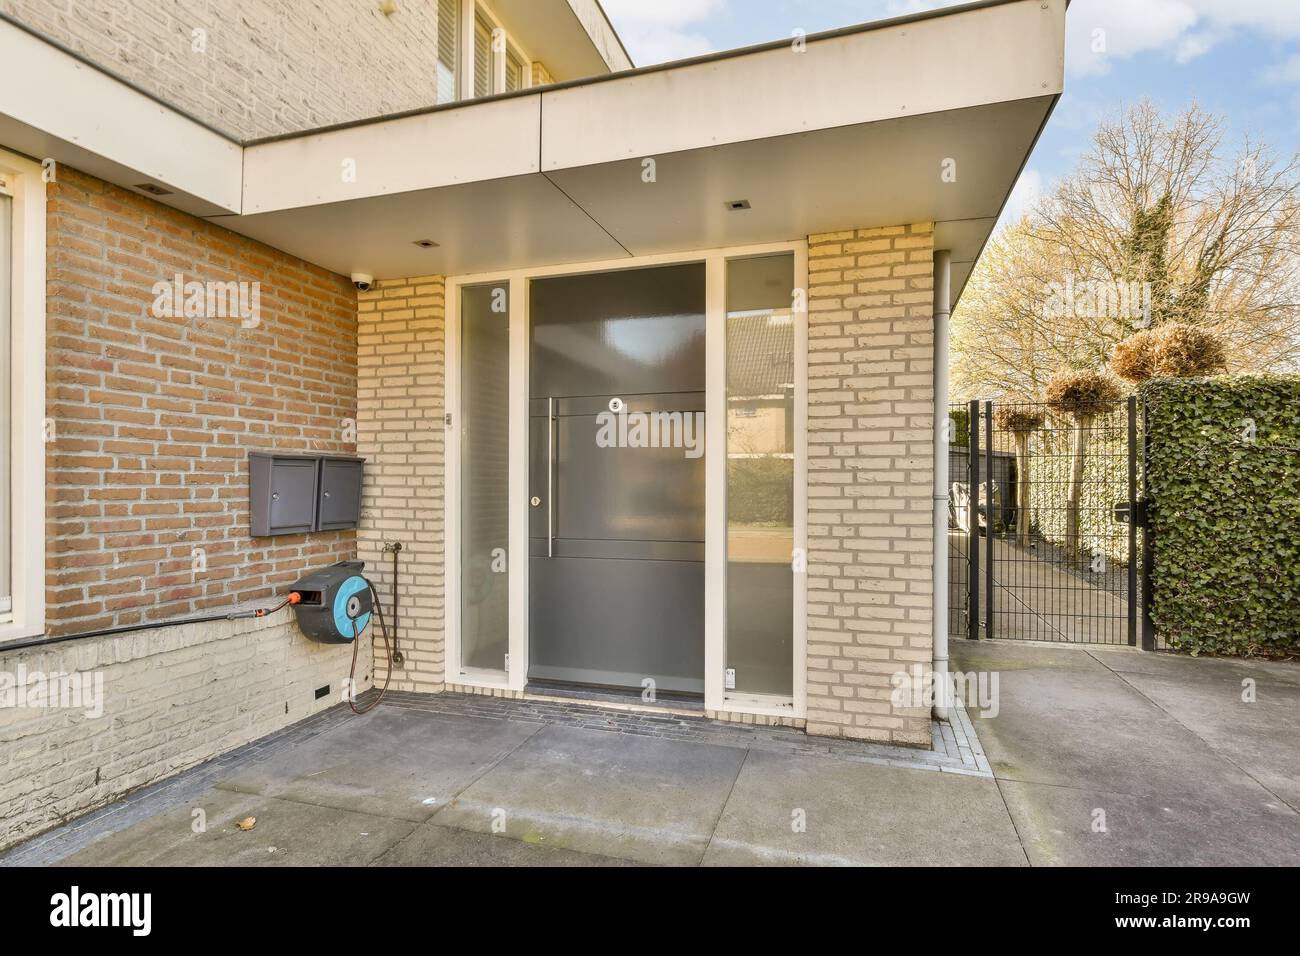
(616, 531)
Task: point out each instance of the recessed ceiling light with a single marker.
(152, 190)
(737, 204)
(426, 244)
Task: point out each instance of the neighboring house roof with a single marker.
(760, 355)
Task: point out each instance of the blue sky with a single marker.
(1240, 58)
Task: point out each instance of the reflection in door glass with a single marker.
(484, 475)
(760, 474)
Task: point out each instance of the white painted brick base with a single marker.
(172, 698)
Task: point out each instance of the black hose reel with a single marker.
(334, 606)
(336, 603)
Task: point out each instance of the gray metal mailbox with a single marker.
(294, 494)
(282, 493)
(340, 494)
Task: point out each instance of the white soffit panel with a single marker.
(876, 174)
(53, 106)
(503, 224)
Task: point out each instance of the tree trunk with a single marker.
(1022, 488)
(1079, 452)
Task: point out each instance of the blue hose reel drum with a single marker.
(333, 599)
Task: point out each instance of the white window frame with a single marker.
(468, 18)
(23, 180)
(459, 94)
(716, 697)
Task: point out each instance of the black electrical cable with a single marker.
(42, 641)
(356, 644)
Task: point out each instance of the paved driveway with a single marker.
(1180, 769)
(1162, 750)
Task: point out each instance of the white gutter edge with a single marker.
(942, 312)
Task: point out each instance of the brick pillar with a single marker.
(400, 431)
(870, 478)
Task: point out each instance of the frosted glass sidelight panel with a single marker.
(6, 390)
(448, 49)
(760, 474)
(484, 475)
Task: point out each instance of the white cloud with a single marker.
(1099, 31)
(1272, 16)
(1284, 73)
(657, 31)
(1102, 31)
(1196, 44)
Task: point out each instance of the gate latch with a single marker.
(1136, 512)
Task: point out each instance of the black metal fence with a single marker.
(1043, 541)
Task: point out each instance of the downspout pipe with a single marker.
(942, 312)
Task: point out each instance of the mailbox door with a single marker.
(340, 494)
(293, 495)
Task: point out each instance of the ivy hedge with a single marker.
(1224, 471)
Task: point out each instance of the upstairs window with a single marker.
(514, 71)
(448, 45)
(496, 64)
(483, 60)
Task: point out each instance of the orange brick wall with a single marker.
(154, 418)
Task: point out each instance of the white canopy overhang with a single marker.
(922, 118)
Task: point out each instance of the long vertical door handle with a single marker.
(550, 477)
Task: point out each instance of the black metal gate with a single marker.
(1044, 518)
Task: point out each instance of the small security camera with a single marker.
(363, 282)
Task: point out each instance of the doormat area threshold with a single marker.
(954, 746)
(685, 704)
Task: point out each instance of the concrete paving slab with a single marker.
(1073, 722)
(433, 845)
(287, 833)
(394, 762)
(1185, 772)
(857, 815)
(1260, 735)
(651, 800)
(1180, 829)
(1196, 669)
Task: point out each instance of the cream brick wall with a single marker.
(401, 434)
(268, 67)
(541, 75)
(172, 698)
(870, 477)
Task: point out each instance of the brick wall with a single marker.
(400, 357)
(268, 67)
(171, 699)
(541, 75)
(870, 478)
(154, 417)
